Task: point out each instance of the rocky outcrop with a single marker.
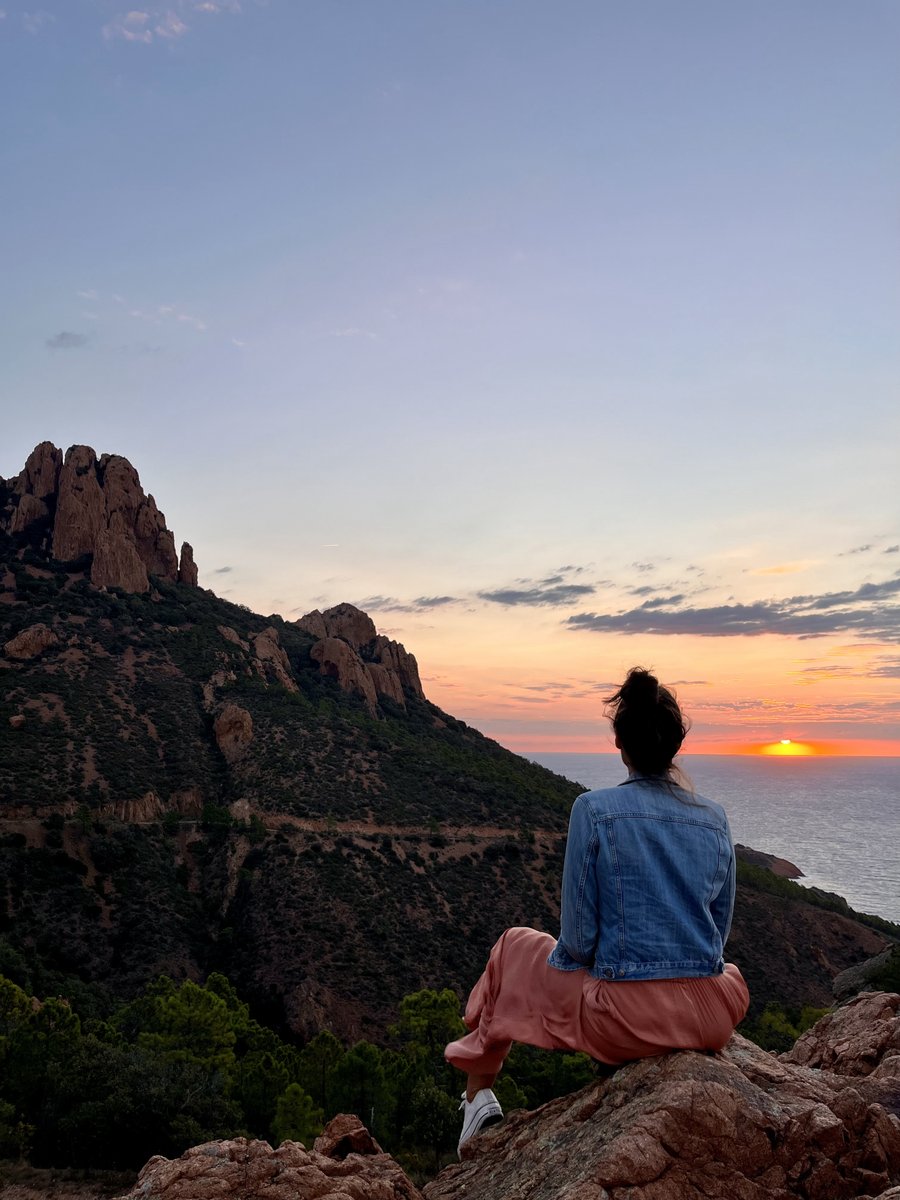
(758, 858)
(187, 568)
(340, 661)
(96, 507)
(251, 1170)
(344, 621)
(233, 729)
(349, 650)
(31, 642)
(868, 976)
(856, 1039)
(683, 1126)
(272, 659)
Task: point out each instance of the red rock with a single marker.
(388, 669)
(29, 510)
(241, 1169)
(31, 642)
(187, 568)
(117, 563)
(233, 729)
(854, 1039)
(743, 1125)
(99, 509)
(80, 507)
(339, 660)
(271, 658)
(17, 721)
(350, 623)
(40, 476)
(345, 1134)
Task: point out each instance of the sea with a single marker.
(837, 819)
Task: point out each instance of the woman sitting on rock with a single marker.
(647, 898)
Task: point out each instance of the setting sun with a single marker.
(787, 746)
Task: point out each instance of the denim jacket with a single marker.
(648, 884)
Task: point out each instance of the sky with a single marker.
(561, 337)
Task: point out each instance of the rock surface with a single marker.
(187, 568)
(361, 661)
(82, 505)
(31, 642)
(271, 659)
(856, 1039)
(251, 1170)
(233, 729)
(742, 1124)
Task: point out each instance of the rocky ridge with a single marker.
(349, 649)
(683, 1126)
(79, 505)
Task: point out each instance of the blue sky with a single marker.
(408, 302)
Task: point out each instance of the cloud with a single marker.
(788, 568)
(34, 22)
(132, 26)
(891, 550)
(864, 612)
(170, 26)
(392, 604)
(643, 567)
(222, 570)
(163, 22)
(66, 340)
(541, 596)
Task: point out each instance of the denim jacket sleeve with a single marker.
(579, 914)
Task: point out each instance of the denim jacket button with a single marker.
(621, 972)
(608, 973)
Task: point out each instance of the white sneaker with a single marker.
(479, 1113)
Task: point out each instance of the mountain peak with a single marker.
(78, 505)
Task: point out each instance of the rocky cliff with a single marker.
(348, 649)
(819, 1123)
(84, 507)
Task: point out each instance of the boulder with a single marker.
(17, 721)
(399, 661)
(853, 1040)
(241, 1169)
(31, 642)
(345, 1134)
(233, 729)
(187, 568)
(685, 1126)
(350, 623)
(313, 623)
(859, 977)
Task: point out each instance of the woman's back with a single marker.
(649, 883)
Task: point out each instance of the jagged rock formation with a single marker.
(349, 649)
(346, 1163)
(683, 1126)
(82, 505)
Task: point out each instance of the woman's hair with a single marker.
(648, 724)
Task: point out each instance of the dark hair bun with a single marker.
(640, 687)
(648, 723)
